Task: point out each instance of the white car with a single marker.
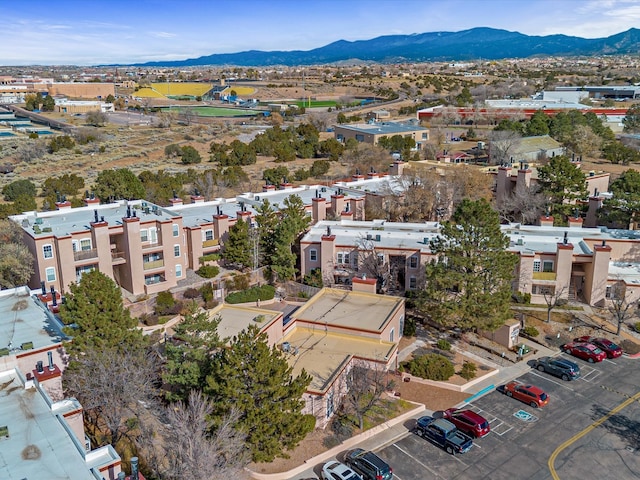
(338, 471)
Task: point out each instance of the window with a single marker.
(85, 244)
(75, 245)
(176, 250)
(401, 325)
(47, 251)
(175, 230)
(381, 259)
(359, 137)
(346, 258)
(547, 266)
(313, 255)
(340, 257)
(542, 290)
(392, 335)
(413, 283)
(330, 406)
(144, 235)
(609, 291)
(425, 136)
(152, 279)
(413, 262)
(179, 271)
(153, 235)
(82, 270)
(536, 265)
(208, 235)
(51, 274)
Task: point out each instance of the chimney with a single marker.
(39, 366)
(95, 216)
(134, 468)
(53, 296)
(43, 288)
(51, 366)
(566, 239)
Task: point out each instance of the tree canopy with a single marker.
(237, 247)
(469, 283)
(118, 184)
(562, 182)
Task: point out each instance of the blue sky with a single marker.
(91, 32)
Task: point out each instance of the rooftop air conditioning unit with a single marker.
(256, 198)
(377, 238)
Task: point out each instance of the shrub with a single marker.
(531, 331)
(164, 303)
(409, 329)
(468, 370)
(208, 271)
(211, 257)
(191, 293)
(207, 292)
(265, 292)
(637, 327)
(443, 345)
(237, 282)
(520, 297)
(432, 366)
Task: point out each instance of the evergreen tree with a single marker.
(562, 182)
(469, 284)
(100, 321)
(257, 381)
(267, 220)
(237, 248)
(189, 359)
(118, 184)
(293, 222)
(631, 121)
(537, 125)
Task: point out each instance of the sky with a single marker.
(94, 32)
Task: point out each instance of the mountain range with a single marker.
(473, 44)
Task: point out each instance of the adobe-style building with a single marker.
(576, 263)
(372, 132)
(41, 432)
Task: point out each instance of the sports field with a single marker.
(315, 103)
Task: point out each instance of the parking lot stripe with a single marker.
(533, 372)
(415, 459)
(610, 361)
(594, 425)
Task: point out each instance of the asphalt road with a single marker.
(589, 430)
(528, 443)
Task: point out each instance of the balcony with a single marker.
(153, 264)
(211, 243)
(85, 254)
(544, 276)
(118, 258)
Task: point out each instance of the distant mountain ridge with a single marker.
(476, 43)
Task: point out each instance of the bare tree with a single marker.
(620, 307)
(525, 205)
(196, 453)
(113, 386)
(371, 262)
(554, 298)
(97, 118)
(31, 150)
(366, 383)
(502, 145)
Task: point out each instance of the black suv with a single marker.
(368, 464)
(561, 368)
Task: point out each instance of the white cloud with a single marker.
(162, 34)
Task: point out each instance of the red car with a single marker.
(468, 422)
(530, 394)
(611, 349)
(585, 351)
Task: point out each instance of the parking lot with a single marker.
(524, 439)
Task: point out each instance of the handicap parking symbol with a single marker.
(525, 416)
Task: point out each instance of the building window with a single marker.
(152, 279)
(330, 406)
(346, 258)
(609, 292)
(401, 325)
(413, 283)
(542, 290)
(47, 251)
(392, 335)
(381, 259)
(82, 270)
(413, 262)
(85, 244)
(75, 245)
(313, 255)
(547, 266)
(144, 235)
(51, 274)
(359, 137)
(536, 265)
(175, 230)
(176, 250)
(153, 235)
(179, 271)
(425, 136)
(208, 235)
(340, 257)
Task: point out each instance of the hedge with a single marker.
(265, 292)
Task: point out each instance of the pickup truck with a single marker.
(444, 434)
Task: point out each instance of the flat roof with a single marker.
(353, 310)
(23, 320)
(323, 355)
(383, 128)
(235, 318)
(38, 445)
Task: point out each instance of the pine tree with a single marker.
(100, 321)
(257, 381)
(562, 182)
(267, 220)
(237, 248)
(469, 284)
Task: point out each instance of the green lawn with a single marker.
(217, 111)
(315, 103)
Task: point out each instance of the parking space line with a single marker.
(416, 460)
(610, 361)
(546, 377)
(591, 375)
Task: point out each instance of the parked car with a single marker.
(561, 368)
(607, 346)
(338, 471)
(530, 394)
(585, 351)
(444, 434)
(368, 464)
(468, 421)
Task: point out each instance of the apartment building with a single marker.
(574, 262)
